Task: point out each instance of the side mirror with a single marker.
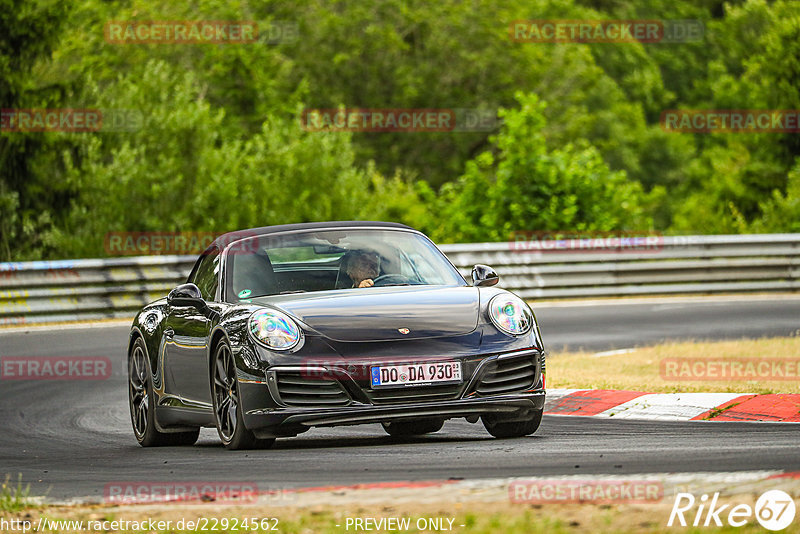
(186, 295)
(483, 275)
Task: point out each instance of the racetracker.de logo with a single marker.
(55, 368)
(181, 32)
(398, 120)
(605, 31)
(70, 120)
(176, 243)
(731, 120)
(597, 491)
(566, 241)
(157, 492)
(157, 243)
(678, 369)
(51, 120)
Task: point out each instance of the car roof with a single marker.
(226, 239)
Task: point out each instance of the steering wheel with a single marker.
(391, 280)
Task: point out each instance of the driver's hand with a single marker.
(366, 283)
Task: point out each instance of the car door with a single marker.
(187, 335)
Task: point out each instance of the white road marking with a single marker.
(669, 406)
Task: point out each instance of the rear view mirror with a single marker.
(186, 295)
(483, 275)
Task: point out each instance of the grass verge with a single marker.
(455, 517)
(14, 497)
(644, 369)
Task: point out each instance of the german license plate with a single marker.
(416, 374)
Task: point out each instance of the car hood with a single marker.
(385, 313)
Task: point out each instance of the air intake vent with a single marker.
(507, 375)
(297, 390)
(412, 394)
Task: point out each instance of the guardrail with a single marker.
(67, 290)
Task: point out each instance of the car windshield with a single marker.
(334, 259)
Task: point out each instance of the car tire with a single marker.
(413, 428)
(141, 402)
(512, 429)
(227, 406)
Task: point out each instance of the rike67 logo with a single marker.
(774, 510)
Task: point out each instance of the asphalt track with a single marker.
(71, 439)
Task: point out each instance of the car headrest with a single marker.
(253, 272)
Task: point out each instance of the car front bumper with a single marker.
(289, 421)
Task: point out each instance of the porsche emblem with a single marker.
(403, 331)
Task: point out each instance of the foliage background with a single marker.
(578, 146)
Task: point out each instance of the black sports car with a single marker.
(282, 328)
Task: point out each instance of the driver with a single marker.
(362, 267)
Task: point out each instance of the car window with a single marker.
(304, 254)
(206, 273)
(323, 260)
(417, 265)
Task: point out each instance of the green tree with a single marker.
(781, 212)
(179, 172)
(527, 186)
(29, 30)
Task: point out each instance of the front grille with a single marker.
(412, 394)
(297, 390)
(507, 375)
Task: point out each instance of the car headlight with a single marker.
(510, 314)
(274, 329)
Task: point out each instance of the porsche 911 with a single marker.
(284, 328)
